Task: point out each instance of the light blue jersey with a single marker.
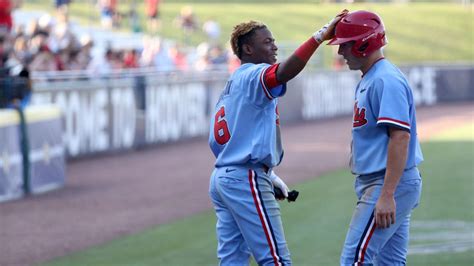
(245, 128)
(383, 99)
(245, 138)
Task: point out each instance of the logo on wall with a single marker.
(6, 162)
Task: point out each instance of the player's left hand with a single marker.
(327, 31)
(277, 182)
(385, 211)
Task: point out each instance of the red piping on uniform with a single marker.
(394, 120)
(364, 249)
(265, 229)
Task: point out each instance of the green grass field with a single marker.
(442, 226)
(417, 32)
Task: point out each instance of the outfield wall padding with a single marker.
(11, 170)
(125, 111)
(46, 148)
(32, 157)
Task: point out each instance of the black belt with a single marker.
(374, 174)
(262, 166)
(256, 166)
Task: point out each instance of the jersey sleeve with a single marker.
(264, 86)
(270, 84)
(392, 108)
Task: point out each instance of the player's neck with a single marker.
(248, 61)
(371, 60)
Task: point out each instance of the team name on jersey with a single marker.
(226, 90)
(359, 116)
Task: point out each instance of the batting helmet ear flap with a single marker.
(361, 48)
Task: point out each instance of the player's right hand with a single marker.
(277, 182)
(327, 31)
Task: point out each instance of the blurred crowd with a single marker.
(46, 46)
(49, 44)
(164, 55)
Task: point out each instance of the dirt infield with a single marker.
(111, 196)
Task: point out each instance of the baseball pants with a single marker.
(367, 245)
(248, 217)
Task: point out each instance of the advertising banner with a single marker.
(11, 170)
(122, 112)
(46, 148)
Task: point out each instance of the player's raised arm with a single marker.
(297, 61)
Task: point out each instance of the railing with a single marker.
(52, 76)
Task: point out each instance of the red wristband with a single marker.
(306, 50)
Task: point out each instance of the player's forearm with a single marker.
(297, 61)
(396, 160)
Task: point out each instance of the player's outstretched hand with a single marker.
(327, 31)
(278, 183)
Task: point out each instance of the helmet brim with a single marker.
(336, 41)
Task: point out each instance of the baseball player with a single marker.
(385, 148)
(245, 139)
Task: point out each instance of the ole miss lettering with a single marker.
(359, 116)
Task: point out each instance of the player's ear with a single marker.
(247, 49)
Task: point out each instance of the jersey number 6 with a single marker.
(221, 131)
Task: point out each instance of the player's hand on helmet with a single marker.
(327, 31)
(277, 182)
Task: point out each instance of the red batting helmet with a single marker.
(364, 28)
